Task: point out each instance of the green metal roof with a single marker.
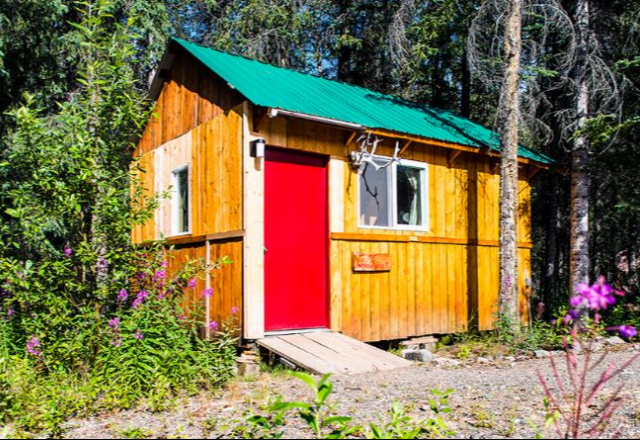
(284, 89)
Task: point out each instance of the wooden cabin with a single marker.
(264, 165)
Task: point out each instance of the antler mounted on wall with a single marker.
(367, 152)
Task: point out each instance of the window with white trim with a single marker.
(180, 201)
(394, 197)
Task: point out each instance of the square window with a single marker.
(394, 197)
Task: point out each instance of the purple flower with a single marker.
(571, 316)
(114, 324)
(122, 296)
(117, 341)
(164, 264)
(68, 252)
(234, 310)
(597, 297)
(626, 331)
(138, 335)
(192, 282)
(103, 263)
(213, 326)
(160, 275)
(34, 347)
(11, 312)
(142, 295)
(206, 293)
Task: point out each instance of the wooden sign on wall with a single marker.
(363, 262)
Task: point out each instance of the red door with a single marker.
(296, 240)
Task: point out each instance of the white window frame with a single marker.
(393, 196)
(175, 209)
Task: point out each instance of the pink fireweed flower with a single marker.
(213, 326)
(234, 310)
(114, 324)
(34, 347)
(117, 342)
(596, 297)
(122, 296)
(142, 295)
(192, 282)
(160, 275)
(11, 312)
(626, 331)
(138, 335)
(68, 252)
(164, 264)
(206, 293)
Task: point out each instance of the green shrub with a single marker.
(139, 348)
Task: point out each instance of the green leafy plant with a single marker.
(319, 418)
(316, 413)
(136, 433)
(401, 425)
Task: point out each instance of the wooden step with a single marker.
(323, 352)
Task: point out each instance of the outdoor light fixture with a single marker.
(258, 147)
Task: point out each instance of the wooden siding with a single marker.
(214, 153)
(190, 97)
(198, 122)
(442, 280)
(226, 281)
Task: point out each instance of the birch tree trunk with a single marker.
(580, 179)
(550, 268)
(509, 168)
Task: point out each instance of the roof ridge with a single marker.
(430, 107)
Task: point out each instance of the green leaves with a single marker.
(318, 416)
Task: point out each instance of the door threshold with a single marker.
(294, 331)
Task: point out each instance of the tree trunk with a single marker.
(465, 93)
(580, 179)
(550, 268)
(510, 110)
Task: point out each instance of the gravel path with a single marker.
(497, 400)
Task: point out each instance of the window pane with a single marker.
(409, 186)
(182, 200)
(374, 196)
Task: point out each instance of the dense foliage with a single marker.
(88, 321)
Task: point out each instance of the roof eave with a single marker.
(162, 72)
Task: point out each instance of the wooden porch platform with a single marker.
(323, 352)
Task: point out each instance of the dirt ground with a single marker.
(497, 399)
